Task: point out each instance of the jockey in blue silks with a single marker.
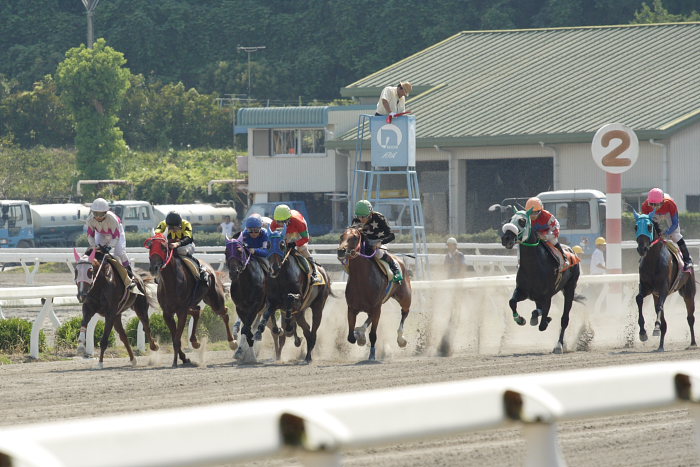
(255, 237)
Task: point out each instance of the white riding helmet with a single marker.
(100, 205)
(451, 241)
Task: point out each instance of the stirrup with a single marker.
(398, 277)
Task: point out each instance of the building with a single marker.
(511, 113)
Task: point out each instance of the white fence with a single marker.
(316, 429)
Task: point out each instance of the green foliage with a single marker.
(159, 329)
(37, 175)
(212, 325)
(92, 84)
(657, 13)
(15, 336)
(67, 334)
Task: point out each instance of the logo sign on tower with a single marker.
(393, 144)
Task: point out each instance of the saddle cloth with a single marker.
(306, 267)
(676, 253)
(571, 257)
(123, 275)
(192, 266)
(384, 267)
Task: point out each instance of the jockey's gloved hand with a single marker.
(291, 245)
(105, 248)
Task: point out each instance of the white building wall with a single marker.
(684, 164)
(304, 174)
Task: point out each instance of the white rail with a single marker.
(318, 428)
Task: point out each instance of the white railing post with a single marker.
(46, 310)
(90, 335)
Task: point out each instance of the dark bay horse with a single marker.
(101, 291)
(286, 289)
(659, 276)
(179, 293)
(537, 276)
(248, 280)
(366, 289)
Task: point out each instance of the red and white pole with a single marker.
(613, 223)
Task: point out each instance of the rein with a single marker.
(170, 256)
(246, 253)
(357, 251)
(97, 274)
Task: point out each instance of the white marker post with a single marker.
(615, 149)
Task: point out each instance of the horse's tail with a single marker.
(579, 298)
(150, 287)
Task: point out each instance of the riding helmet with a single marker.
(253, 222)
(656, 195)
(534, 203)
(363, 208)
(99, 205)
(173, 219)
(282, 213)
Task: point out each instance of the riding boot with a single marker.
(687, 260)
(565, 262)
(203, 274)
(315, 278)
(130, 273)
(394, 266)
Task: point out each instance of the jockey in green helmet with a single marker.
(377, 232)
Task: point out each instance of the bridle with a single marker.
(234, 250)
(164, 252)
(357, 249)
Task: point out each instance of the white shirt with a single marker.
(598, 257)
(396, 104)
(227, 229)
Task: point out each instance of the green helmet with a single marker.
(282, 213)
(363, 208)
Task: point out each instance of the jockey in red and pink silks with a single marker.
(547, 227)
(666, 215)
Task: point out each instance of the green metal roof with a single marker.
(282, 117)
(482, 88)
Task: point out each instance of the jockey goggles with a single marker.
(254, 230)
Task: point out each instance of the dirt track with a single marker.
(483, 343)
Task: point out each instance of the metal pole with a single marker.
(249, 50)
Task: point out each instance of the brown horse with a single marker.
(101, 291)
(367, 288)
(179, 292)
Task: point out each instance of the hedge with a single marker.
(16, 334)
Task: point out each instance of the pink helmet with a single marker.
(656, 195)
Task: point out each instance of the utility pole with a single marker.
(249, 50)
(90, 6)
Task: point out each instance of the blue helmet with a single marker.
(253, 222)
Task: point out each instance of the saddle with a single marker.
(384, 267)
(191, 266)
(123, 275)
(676, 253)
(571, 257)
(306, 267)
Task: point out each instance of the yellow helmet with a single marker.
(600, 241)
(534, 203)
(282, 213)
(578, 250)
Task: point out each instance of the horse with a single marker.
(368, 288)
(101, 291)
(661, 274)
(179, 292)
(248, 280)
(286, 291)
(537, 276)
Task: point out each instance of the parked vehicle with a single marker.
(16, 228)
(58, 224)
(268, 209)
(203, 217)
(137, 216)
(581, 215)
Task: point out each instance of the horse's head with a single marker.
(157, 252)
(350, 242)
(517, 230)
(237, 258)
(646, 231)
(85, 272)
(278, 251)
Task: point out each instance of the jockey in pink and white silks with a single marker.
(105, 229)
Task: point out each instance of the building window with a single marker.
(692, 203)
(297, 142)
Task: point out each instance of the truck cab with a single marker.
(581, 215)
(16, 228)
(137, 216)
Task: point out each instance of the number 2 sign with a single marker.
(615, 148)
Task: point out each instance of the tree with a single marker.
(92, 84)
(659, 14)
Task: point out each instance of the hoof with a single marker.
(691, 347)
(401, 341)
(535, 318)
(656, 333)
(372, 354)
(133, 363)
(258, 336)
(520, 320)
(297, 341)
(100, 365)
(186, 361)
(360, 338)
(276, 331)
(352, 339)
(643, 336)
(233, 344)
(239, 354)
(195, 344)
(558, 349)
(154, 347)
(545, 323)
(660, 349)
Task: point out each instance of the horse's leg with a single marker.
(640, 302)
(688, 294)
(87, 316)
(405, 303)
(375, 314)
(142, 313)
(236, 329)
(660, 320)
(177, 340)
(169, 319)
(657, 323)
(569, 292)
(518, 296)
(119, 327)
(308, 334)
(352, 317)
(263, 322)
(195, 320)
(109, 323)
(544, 305)
(361, 330)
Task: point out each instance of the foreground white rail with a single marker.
(317, 428)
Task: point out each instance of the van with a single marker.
(581, 215)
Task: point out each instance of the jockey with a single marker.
(666, 215)
(106, 231)
(377, 232)
(547, 227)
(297, 233)
(255, 236)
(178, 231)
